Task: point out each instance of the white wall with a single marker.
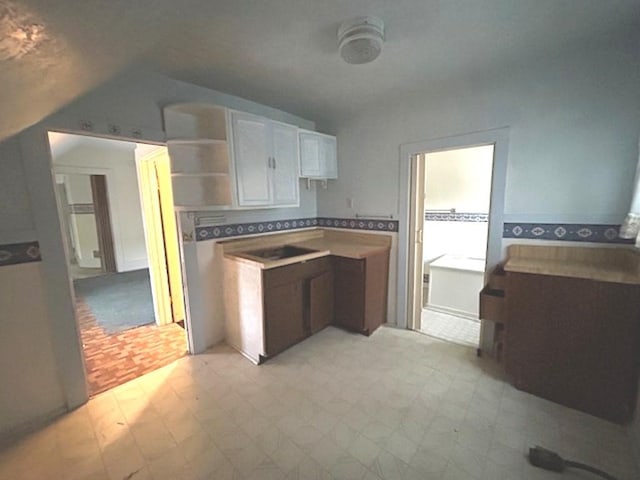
(31, 391)
(573, 128)
(574, 125)
(128, 106)
(459, 179)
(16, 223)
(118, 163)
(83, 229)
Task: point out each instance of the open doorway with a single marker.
(455, 206)
(116, 211)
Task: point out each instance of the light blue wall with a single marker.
(574, 125)
(130, 103)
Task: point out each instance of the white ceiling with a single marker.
(282, 53)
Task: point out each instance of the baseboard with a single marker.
(133, 265)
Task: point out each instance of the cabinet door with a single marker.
(285, 165)
(349, 290)
(329, 157)
(251, 152)
(321, 301)
(283, 316)
(310, 156)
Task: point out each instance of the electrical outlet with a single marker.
(349, 202)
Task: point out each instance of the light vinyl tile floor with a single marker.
(397, 405)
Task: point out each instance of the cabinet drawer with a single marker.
(492, 305)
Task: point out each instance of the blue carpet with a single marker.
(119, 301)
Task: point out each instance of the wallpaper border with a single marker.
(17, 253)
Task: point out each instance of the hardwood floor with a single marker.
(114, 359)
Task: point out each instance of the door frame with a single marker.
(406, 253)
(35, 150)
(104, 226)
(63, 169)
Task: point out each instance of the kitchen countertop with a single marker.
(342, 244)
(618, 265)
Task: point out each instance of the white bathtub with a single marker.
(454, 284)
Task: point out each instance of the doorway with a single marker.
(412, 218)
(455, 206)
(116, 211)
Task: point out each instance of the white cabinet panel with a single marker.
(310, 155)
(252, 152)
(318, 155)
(285, 165)
(329, 157)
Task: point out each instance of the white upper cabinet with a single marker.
(223, 159)
(285, 165)
(266, 161)
(318, 157)
(252, 158)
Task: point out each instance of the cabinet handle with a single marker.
(269, 162)
(274, 163)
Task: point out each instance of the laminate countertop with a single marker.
(322, 243)
(617, 265)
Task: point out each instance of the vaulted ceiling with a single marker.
(281, 53)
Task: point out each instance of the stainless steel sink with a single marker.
(278, 253)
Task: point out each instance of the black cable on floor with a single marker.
(543, 458)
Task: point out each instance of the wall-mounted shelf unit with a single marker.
(197, 140)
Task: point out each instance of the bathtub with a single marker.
(454, 284)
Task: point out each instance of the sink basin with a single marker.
(278, 253)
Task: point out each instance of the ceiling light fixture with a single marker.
(360, 39)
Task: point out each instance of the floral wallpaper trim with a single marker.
(234, 230)
(16, 253)
(359, 224)
(455, 217)
(570, 232)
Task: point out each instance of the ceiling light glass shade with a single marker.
(360, 39)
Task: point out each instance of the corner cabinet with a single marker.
(199, 152)
(318, 159)
(266, 161)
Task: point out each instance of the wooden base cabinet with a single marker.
(270, 310)
(361, 292)
(574, 341)
(298, 301)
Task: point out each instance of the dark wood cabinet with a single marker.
(298, 301)
(360, 288)
(574, 341)
(283, 311)
(321, 306)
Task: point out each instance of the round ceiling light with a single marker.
(360, 39)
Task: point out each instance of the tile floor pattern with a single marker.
(397, 405)
(448, 327)
(114, 359)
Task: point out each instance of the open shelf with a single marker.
(199, 158)
(187, 121)
(198, 190)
